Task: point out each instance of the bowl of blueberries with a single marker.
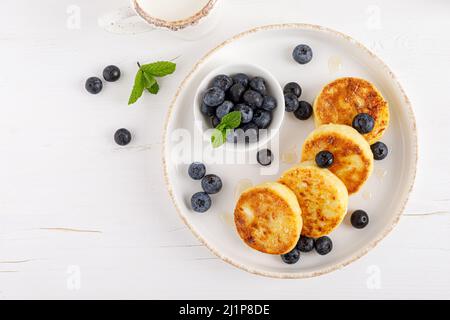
(249, 89)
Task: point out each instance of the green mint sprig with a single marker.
(228, 122)
(145, 78)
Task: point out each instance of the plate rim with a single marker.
(411, 178)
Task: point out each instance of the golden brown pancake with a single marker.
(353, 159)
(268, 218)
(341, 100)
(323, 198)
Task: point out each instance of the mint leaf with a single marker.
(228, 122)
(154, 89)
(138, 88)
(149, 80)
(159, 69)
(218, 138)
(231, 120)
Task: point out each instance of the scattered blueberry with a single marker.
(111, 73)
(224, 109)
(251, 132)
(305, 244)
(222, 81)
(196, 170)
(122, 137)
(379, 150)
(253, 99)
(323, 245)
(211, 183)
(291, 257)
(215, 121)
(290, 102)
(246, 112)
(304, 110)
(324, 159)
(269, 103)
(207, 110)
(262, 118)
(241, 78)
(363, 123)
(302, 54)
(264, 157)
(94, 85)
(236, 92)
(258, 84)
(214, 96)
(200, 202)
(359, 219)
(294, 88)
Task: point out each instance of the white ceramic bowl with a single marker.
(203, 122)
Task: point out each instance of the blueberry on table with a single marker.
(196, 170)
(269, 103)
(211, 183)
(259, 85)
(294, 88)
(214, 96)
(222, 81)
(264, 157)
(290, 102)
(246, 112)
(241, 78)
(304, 110)
(122, 137)
(111, 73)
(236, 91)
(305, 244)
(224, 109)
(359, 219)
(94, 85)
(200, 202)
(323, 245)
(262, 118)
(324, 159)
(291, 257)
(302, 53)
(379, 150)
(207, 110)
(363, 123)
(253, 98)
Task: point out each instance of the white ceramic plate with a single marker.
(335, 55)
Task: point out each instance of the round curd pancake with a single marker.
(268, 218)
(341, 100)
(323, 198)
(353, 159)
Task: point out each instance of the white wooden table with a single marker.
(81, 217)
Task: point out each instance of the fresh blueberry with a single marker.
(379, 150)
(324, 159)
(269, 103)
(262, 118)
(323, 245)
(290, 102)
(207, 110)
(196, 170)
(251, 132)
(211, 183)
(246, 112)
(224, 109)
(241, 78)
(214, 96)
(294, 88)
(111, 73)
(304, 110)
(215, 121)
(359, 219)
(305, 244)
(200, 202)
(302, 54)
(253, 99)
(258, 84)
(94, 85)
(222, 81)
(236, 92)
(291, 257)
(363, 123)
(122, 137)
(264, 157)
